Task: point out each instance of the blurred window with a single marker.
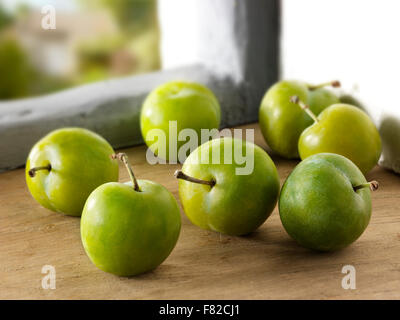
(93, 40)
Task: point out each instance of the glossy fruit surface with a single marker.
(127, 232)
(282, 122)
(235, 204)
(345, 130)
(191, 105)
(320, 206)
(78, 161)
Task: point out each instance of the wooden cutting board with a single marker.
(204, 265)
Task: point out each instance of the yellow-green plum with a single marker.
(130, 228)
(325, 203)
(223, 192)
(65, 166)
(281, 124)
(172, 107)
(343, 129)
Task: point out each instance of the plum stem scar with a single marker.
(32, 172)
(373, 185)
(180, 175)
(124, 158)
(305, 107)
(334, 84)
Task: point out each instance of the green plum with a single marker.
(342, 129)
(281, 124)
(216, 196)
(351, 99)
(130, 228)
(325, 203)
(65, 166)
(191, 105)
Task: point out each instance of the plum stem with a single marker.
(373, 185)
(334, 84)
(180, 175)
(305, 107)
(32, 172)
(124, 158)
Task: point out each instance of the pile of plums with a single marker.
(130, 228)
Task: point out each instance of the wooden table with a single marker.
(204, 265)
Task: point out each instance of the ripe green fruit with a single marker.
(191, 105)
(130, 228)
(281, 124)
(215, 197)
(345, 130)
(65, 166)
(325, 203)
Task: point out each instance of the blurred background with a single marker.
(354, 41)
(94, 40)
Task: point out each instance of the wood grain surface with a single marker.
(204, 265)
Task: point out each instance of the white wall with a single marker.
(179, 32)
(355, 41)
(200, 32)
